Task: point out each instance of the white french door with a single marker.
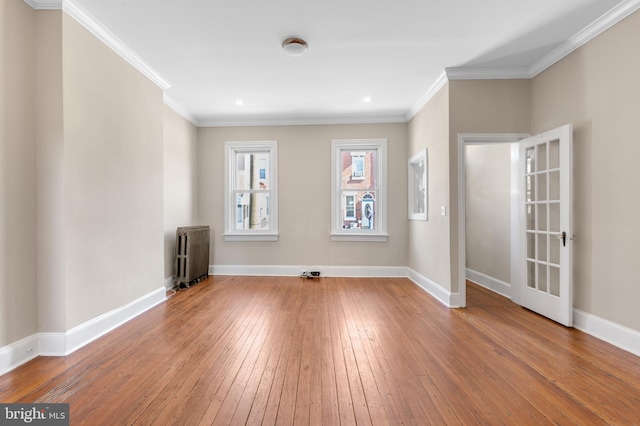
(545, 170)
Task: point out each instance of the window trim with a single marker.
(231, 149)
(337, 233)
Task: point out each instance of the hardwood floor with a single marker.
(248, 350)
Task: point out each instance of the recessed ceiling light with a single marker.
(294, 46)
(367, 99)
(239, 102)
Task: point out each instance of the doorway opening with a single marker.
(478, 139)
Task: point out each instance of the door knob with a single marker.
(563, 237)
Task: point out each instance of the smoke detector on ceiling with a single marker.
(294, 46)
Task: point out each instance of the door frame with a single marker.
(465, 139)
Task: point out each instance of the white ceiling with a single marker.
(212, 53)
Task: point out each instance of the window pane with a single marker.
(542, 217)
(554, 154)
(554, 281)
(252, 170)
(554, 185)
(542, 157)
(542, 277)
(531, 217)
(358, 169)
(359, 210)
(554, 249)
(531, 274)
(542, 247)
(554, 217)
(531, 245)
(531, 160)
(531, 188)
(542, 187)
(252, 211)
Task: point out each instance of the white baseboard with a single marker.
(17, 353)
(61, 344)
(295, 270)
(52, 344)
(616, 334)
(494, 284)
(85, 333)
(447, 298)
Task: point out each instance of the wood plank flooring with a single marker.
(249, 350)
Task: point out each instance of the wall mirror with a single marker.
(418, 194)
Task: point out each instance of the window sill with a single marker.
(364, 237)
(251, 237)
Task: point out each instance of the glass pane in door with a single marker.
(531, 160)
(542, 277)
(531, 274)
(542, 187)
(554, 217)
(554, 185)
(542, 217)
(542, 157)
(554, 154)
(554, 281)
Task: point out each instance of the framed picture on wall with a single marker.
(418, 193)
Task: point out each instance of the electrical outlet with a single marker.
(443, 210)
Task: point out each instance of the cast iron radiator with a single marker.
(192, 255)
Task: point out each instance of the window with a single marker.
(357, 169)
(358, 178)
(251, 186)
(350, 207)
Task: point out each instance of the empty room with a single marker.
(319, 213)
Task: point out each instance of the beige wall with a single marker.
(113, 154)
(180, 181)
(51, 312)
(597, 89)
(304, 197)
(429, 240)
(488, 210)
(18, 284)
(482, 106)
(86, 159)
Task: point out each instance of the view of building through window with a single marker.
(358, 189)
(252, 190)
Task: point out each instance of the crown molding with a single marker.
(45, 4)
(435, 88)
(302, 121)
(84, 18)
(479, 73)
(181, 110)
(597, 27)
(107, 37)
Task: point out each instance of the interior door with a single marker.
(546, 284)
